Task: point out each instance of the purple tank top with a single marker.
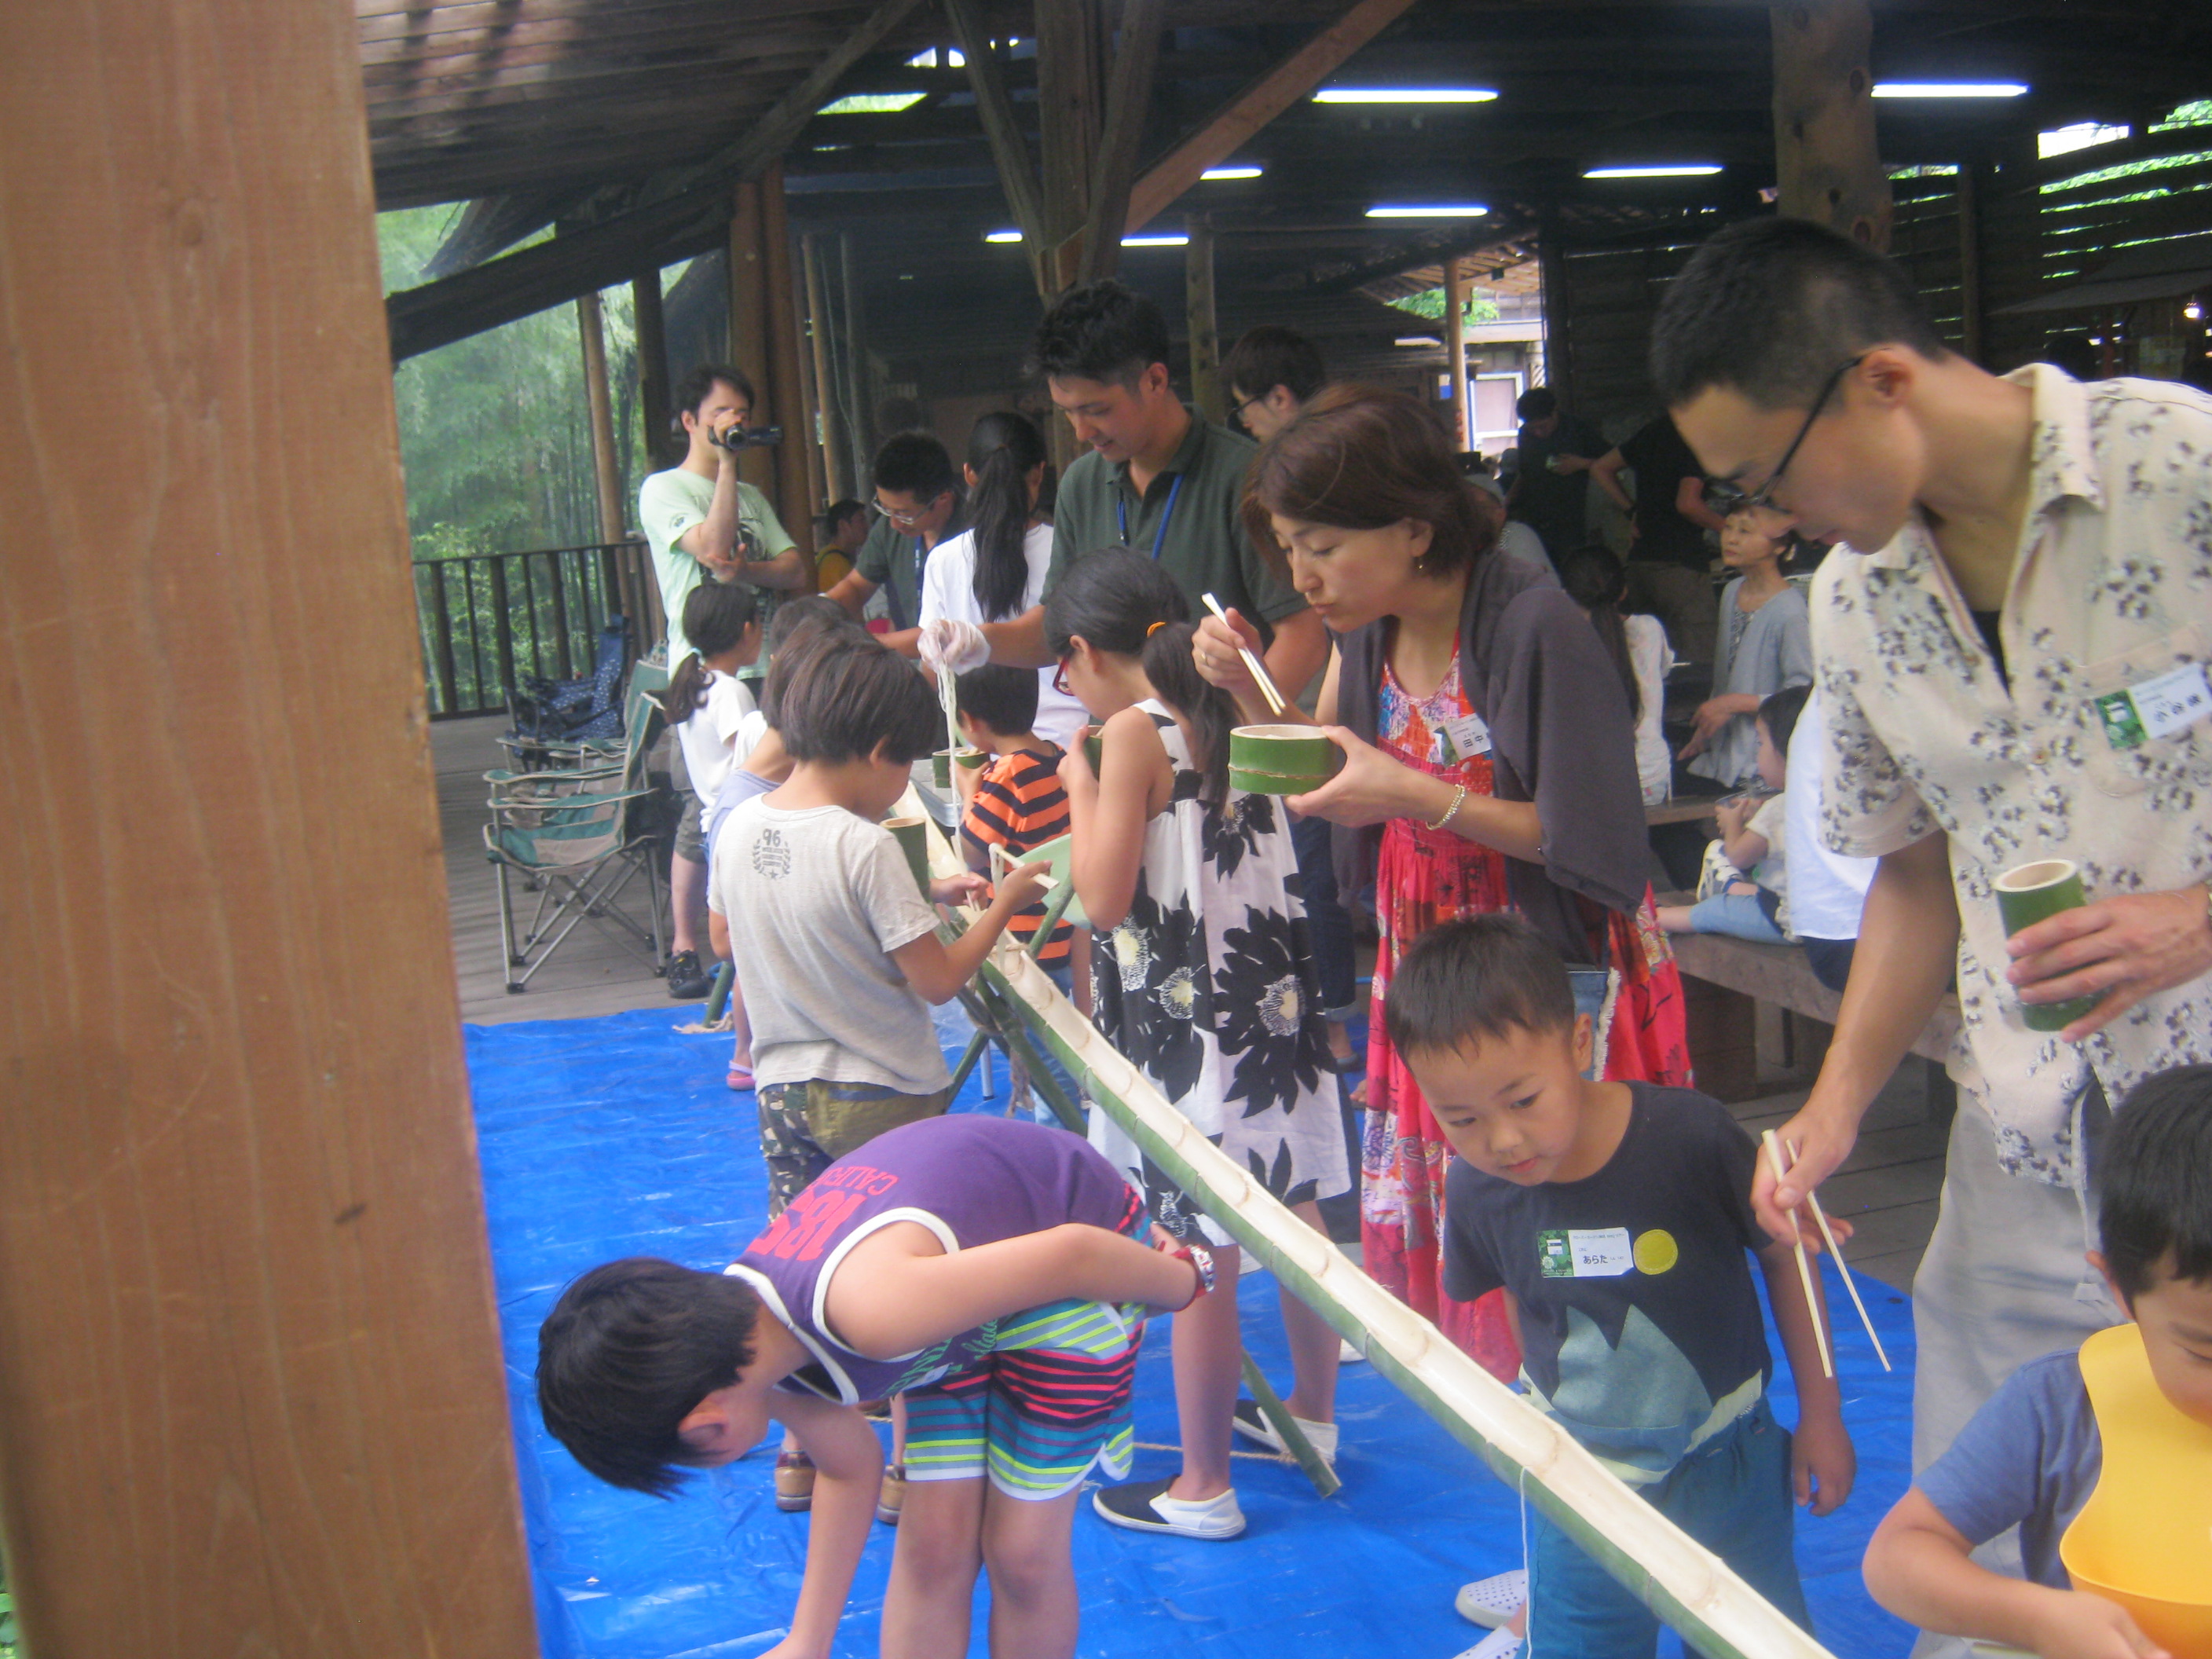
(970, 1180)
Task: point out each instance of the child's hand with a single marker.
(1024, 884)
(1075, 774)
(958, 890)
(1822, 1463)
(1731, 816)
(2079, 1625)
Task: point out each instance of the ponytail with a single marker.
(1004, 449)
(1119, 601)
(715, 617)
(1593, 579)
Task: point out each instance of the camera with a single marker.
(745, 437)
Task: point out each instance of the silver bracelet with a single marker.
(1459, 800)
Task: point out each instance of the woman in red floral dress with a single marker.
(1489, 764)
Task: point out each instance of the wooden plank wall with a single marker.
(252, 1400)
(1598, 321)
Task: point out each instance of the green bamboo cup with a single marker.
(1280, 760)
(940, 768)
(2027, 894)
(1094, 751)
(969, 760)
(913, 840)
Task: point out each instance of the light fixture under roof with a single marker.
(1428, 210)
(1948, 88)
(1248, 171)
(1671, 170)
(1405, 95)
(872, 103)
(1002, 236)
(1155, 241)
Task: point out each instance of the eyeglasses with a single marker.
(1059, 678)
(1734, 498)
(905, 520)
(1248, 403)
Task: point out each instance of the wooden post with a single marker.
(1455, 345)
(1068, 100)
(748, 337)
(607, 471)
(795, 497)
(1825, 158)
(1559, 314)
(1205, 390)
(836, 482)
(653, 393)
(1970, 260)
(813, 421)
(859, 406)
(252, 1398)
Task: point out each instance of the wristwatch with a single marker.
(1201, 1263)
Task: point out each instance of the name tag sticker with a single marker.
(2155, 708)
(1466, 737)
(1584, 1253)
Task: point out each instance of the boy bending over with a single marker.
(2032, 1455)
(987, 1268)
(1616, 1217)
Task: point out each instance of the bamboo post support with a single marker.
(1681, 1582)
(1260, 675)
(1773, 1146)
(1324, 1478)
(1844, 1268)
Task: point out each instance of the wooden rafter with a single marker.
(1128, 90)
(1010, 150)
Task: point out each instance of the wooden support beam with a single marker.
(1010, 150)
(820, 422)
(492, 224)
(1455, 348)
(1221, 134)
(1068, 96)
(1826, 162)
(858, 401)
(251, 1393)
(795, 498)
(1206, 388)
(653, 393)
(1970, 259)
(1129, 92)
(606, 471)
(837, 452)
(749, 340)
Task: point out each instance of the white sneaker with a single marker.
(1144, 1506)
(1498, 1644)
(1493, 1601)
(1252, 1423)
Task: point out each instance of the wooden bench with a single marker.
(1766, 1020)
(1680, 809)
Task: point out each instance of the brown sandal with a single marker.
(794, 1482)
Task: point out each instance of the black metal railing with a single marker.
(490, 619)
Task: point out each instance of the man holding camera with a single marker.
(701, 521)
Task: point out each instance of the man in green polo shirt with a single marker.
(1157, 478)
(918, 505)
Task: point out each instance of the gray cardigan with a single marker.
(1777, 652)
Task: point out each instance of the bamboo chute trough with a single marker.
(1684, 1584)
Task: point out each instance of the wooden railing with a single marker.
(490, 619)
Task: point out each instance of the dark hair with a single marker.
(1479, 978)
(847, 697)
(1594, 579)
(1538, 403)
(1120, 601)
(1099, 332)
(914, 464)
(2154, 1183)
(1004, 449)
(1004, 699)
(695, 388)
(715, 617)
(1771, 308)
(1360, 458)
(1268, 356)
(628, 1352)
(835, 515)
(1779, 714)
(797, 626)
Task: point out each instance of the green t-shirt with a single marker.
(669, 504)
(1191, 520)
(894, 560)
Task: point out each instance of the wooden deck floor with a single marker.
(1887, 1190)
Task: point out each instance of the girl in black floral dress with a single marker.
(1204, 979)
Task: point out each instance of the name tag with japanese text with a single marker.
(1463, 739)
(1584, 1253)
(2155, 708)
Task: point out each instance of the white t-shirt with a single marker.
(1651, 657)
(1826, 889)
(710, 736)
(669, 504)
(948, 589)
(816, 900)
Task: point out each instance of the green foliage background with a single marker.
(1430, 303)
(495, 430)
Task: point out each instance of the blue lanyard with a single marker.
(1159, 540)
(921, 555)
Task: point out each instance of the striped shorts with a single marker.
(1050, 1401)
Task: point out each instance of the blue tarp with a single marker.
(618, 1136)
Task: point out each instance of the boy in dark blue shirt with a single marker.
(1616, 1217)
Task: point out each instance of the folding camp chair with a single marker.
(578, 838)
(556, 720)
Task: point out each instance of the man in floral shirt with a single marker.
(2011, 646)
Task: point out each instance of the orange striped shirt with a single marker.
(1019, 805)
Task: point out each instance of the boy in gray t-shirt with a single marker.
(837, 947)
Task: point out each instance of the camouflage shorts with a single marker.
(804, 1128)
